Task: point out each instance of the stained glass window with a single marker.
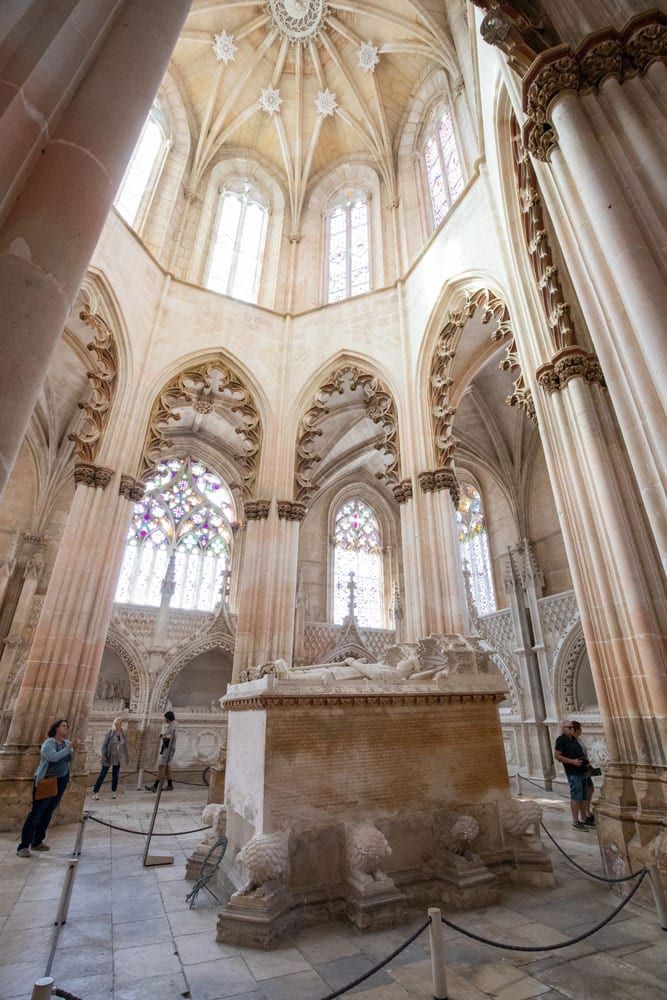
(475, 553)
(186, 511)
(238, 241)
(358, 549)
(348, 250)
(142, 168)
(443, 166)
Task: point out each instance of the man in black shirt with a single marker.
(572, 756)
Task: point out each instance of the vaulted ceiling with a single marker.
(305, 83)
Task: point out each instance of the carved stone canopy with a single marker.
(208, 391)
(102, 378)
(339, 423)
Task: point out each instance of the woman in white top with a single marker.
(114, 753)
(166, 753)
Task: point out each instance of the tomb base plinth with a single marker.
(358, 794)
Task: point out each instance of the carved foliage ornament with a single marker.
(604, 54)
(379, 406)
(298, 20)
(102, 378)
(131, 488)
(187, 388)
(87, 474)
(291, 510)
(256, 510)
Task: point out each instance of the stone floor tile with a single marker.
(171, 986)
(278, 962)
(17, 947)
(27, 916)
(134, 887)
(19, 977)
(172, 873)
(324, 944)
(202, 947)
(652, 959)
(417, 979)
(87, 903)
(75, 963)
(99, 987)
(145, 908)
(145, 962)
(89, 932)
(225, 977)
(31, 893)
(193, 921)
(300, 986)
(393, 992)
(601, 977)
(504, 980)
(341, 971)
(136, 933)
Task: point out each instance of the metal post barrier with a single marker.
(437, 942)
(658, 895)
(42, 988)
(61, 915)
(156, 857)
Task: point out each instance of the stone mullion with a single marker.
(445, 608)
(414, 624)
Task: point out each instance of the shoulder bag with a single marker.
(46, 788)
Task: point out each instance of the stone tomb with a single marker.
(353, 792)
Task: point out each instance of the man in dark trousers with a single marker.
(571, 754)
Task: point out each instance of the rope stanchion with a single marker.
(560, 944)
(143, 833)
(379, 965)
(58, 991)
(600, 878)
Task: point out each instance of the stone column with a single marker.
(443, 592)
(12, 641)
(49, 236)
(620, 592)
(267, 597)
(63, 665)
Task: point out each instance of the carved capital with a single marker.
(601, 56)
(256, 510)
(517, 29)
(567, 364)
(426, 481)
(87, 474)
(553, 73)
(645, 39)
(131, 488)
(445, 479)
(291, 510)
(402, 491)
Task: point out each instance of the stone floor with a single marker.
(130, 935)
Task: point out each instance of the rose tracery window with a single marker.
(358, 549)
(187, 511)
(234, 264)
(474, 544)
(143, 169)
(443, 166)
(348, 248)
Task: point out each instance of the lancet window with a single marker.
(234, 264)
(348, 246)
(358, 549)
(144, 168)
(475, 552)
(187, 512)
(443, 165)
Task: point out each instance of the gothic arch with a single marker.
(184, 654)
(184, 388)
(567, 663)
(380, 408)
(132, 657)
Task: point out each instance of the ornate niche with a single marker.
(208, 390)
(379, 407)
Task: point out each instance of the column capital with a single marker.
(402, 491)
(291, 510)
(97, 476)
(131, 488)
(567, 364)
(434, 480)
(256, 510)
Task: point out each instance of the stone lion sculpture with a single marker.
(264, 857)
(457, 832)
(366, 849)
(519, 818)
(215, 816)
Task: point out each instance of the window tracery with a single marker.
(186, 513)
(348, 246)
(143, 169)
(234, 264)
(474, 547)
(358, 549)
(443, 164)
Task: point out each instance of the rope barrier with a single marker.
(142, 833)
(58, 991)
(379, 965)
(205, 877)
(549, 791)
(600, 878)
(179, 781)
(560, 944)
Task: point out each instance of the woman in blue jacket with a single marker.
(54, 762)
